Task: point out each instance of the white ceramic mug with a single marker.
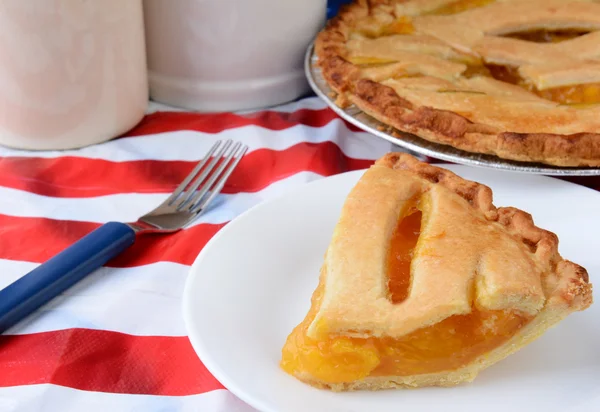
(72, 73)
(222, 55)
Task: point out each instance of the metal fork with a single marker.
(190, 199)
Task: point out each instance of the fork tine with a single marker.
(191, 201)
(199, 206)
(189, 193)
(192, 174)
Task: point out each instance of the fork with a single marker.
(190, 199)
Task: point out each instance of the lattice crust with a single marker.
(470, 253)
(452, 72)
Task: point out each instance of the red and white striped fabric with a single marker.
(116, 341)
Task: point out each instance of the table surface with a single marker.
(116, 341)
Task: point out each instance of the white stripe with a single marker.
(150, 296)
(144, 300)
(128, 207)
(146, 292)
(189, 145)
(54, 398)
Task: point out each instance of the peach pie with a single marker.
(519, 79)
(426, 283)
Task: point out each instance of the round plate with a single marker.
(252, 283)
(416, 144)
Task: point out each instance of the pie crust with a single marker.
(431, 67)
(484, 276)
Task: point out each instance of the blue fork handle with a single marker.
(62, 271)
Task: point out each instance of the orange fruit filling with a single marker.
(581, 94)
(446, 345)
(547, 36)
(369, 61)
(460, 6)
(400, 255)
(402, 25)
(578, 94)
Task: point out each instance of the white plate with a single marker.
(252, 284)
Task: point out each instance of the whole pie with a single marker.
(425, 282)
(519, 79)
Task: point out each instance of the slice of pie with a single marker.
(426, 283)
(519, 79)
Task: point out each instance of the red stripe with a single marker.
(82, 177)
(162, 122)
(104, 361)
(53, 236)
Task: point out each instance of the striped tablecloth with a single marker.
(116, 341)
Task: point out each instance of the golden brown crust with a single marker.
(479, 196)
(383, 103)
(447, 282)
(548, 134)
(568, 282)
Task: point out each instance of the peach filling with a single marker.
(579, 94)
(371, 29)
(447, 345)
(366, 61)
(547, 36)
(572, 95)
(460, 6)
(400, 255)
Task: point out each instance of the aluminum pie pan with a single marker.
(419, 146)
